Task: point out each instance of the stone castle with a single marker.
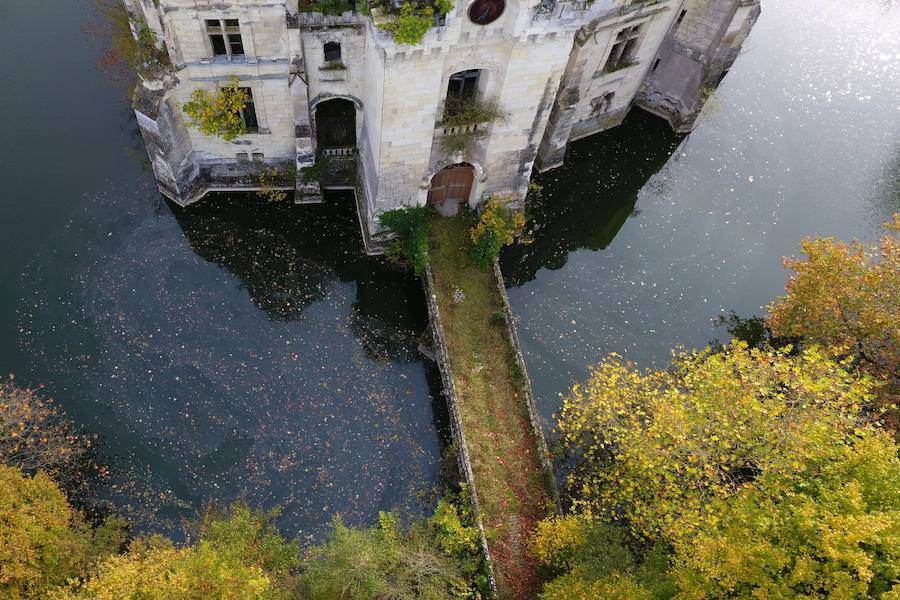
(493, 90)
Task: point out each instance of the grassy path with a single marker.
(503, 453)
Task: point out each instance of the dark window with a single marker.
(218, 45)
(461, 87)
(332, 51)
(463, 84)
(681, 16)
(483, 12)
(225, 37)
(248, 113)
(624, 50)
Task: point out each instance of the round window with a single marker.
(482, 12)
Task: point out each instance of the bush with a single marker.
(494, 229)
(36, 436)
(411, 23)
(384, 561)
(412, 225)
(218, 114)
(326, 7)
(44, 542)
(239, 556)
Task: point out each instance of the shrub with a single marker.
(494, 229)
(36, 436)
(218, 114)
(44, 542)
(384, 561)
(411, 24)
(412, 225)
(326, 7)
(444, 6)
(239, 556)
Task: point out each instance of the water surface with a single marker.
(235, 349)
(645, 237)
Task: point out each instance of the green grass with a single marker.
(511, 491)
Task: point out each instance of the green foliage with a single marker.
(326, 7)
(410, 24)
(459, 112)
(412, 225)
(218, 114)
(384, 561)
(496, 228)
(596, 560)
(453, 527)
(239, 556)
(459, 142)
(843, 296)
(132, 41)
(44, 542)
(830, 530)
(444, 6)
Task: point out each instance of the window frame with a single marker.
(229, 32)
(624, 48)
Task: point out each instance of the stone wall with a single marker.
(459, 437)
(698, 52)
(537, 429)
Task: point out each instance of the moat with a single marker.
(241, 349)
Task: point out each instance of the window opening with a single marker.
(225, 37)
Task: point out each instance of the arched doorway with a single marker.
(450, 188)
(336, 124)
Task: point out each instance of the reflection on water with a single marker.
(238, 349)
(642, 244)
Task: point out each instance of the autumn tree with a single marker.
(846, 296)
(36, 435)
(218, 114)
(381, 562)
(44, 542)
(658, 446)
(829, 530)
(239, 556)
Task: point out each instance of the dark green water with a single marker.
(644, 237)
(236, 349)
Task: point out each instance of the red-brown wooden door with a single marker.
(453, 183)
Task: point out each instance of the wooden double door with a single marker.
(453, 183)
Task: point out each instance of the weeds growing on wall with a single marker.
(314, 171)
(411, 224)
(462, 117)
(272, 182)
(496, 228)
(326, 7)
(218, 114)
(410, 24)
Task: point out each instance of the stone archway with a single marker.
(451, 187)
(335, 124)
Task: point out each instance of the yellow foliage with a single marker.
(220, 113)
(43, 541)
(556, 539)
(659, 446)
